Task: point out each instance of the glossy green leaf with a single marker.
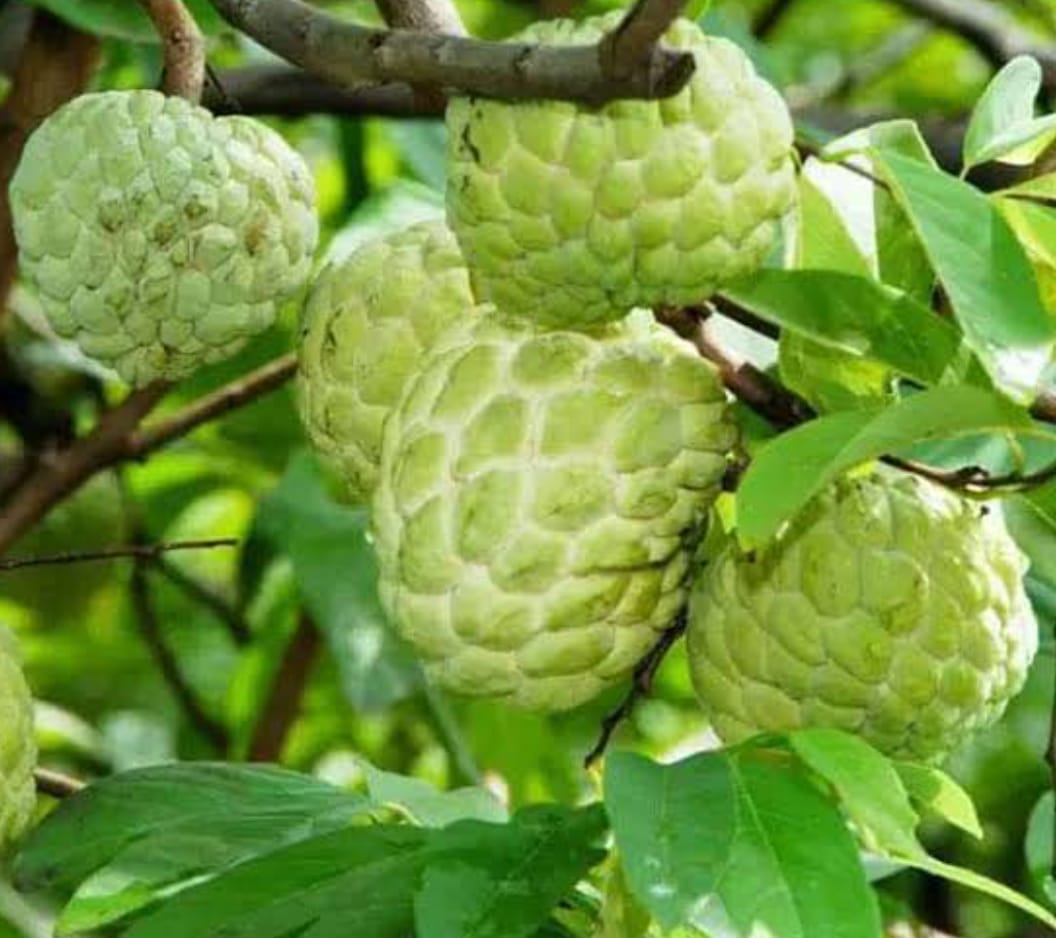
(122, 19)
(788, 470)
(336, 572)
(901, 136)
(856, 315)
(1003, 120)
(737, 845)
(984, 270)
(933, 789)
(1039, 848)
(131, 838)
(868, 786)
(502, 881)
(427, 805)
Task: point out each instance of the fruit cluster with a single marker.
(540, 453)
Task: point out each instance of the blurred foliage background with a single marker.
(181, 658)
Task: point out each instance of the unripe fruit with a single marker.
(368, 323)
(540, 496)
(159, 237)
(91, 519)
(572, 215)
(890, 607)
(18, 749)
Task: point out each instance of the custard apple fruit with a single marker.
(18, 749)
(540, 497)
(891, 608)
(159, 237)
(368, 323)
(572, 215)
(92, 519)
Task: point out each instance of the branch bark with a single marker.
(56, 64)
(183, 47)
(351, 55)
(995, 32)
(287, 692)
(427, 16)
(633, 43)
(56, 785)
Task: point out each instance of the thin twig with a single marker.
(769, 18)
(641, 686)
(183, 46)
(143, 551)
(56, 784)
(226, 614)
(230, 397)
(150, 629)
(464, 768)
(350, 55)
(634, 41)
(283, 705)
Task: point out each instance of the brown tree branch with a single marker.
(633, 43)
(183, 46)
(55, 64)
(56, 785)
(427, 16)
(641, 686)
(230, 397)
(994, 31)
(283, 705)
(61, 474)
(150, 630)
(351, 55)
(142, 551)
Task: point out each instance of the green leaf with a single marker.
(983, 884)
(502, 881)
(133, 837)
(936, 791)
(428, 806)
(122, 19)
(901, 136)
(737, 845)
(790, 469)
(824, 243)
(1040, 844)
(336, 572)
(831, 380)
(984, 270)
(856, 315)
(1003, 119)
(358, 881)
(869, 788)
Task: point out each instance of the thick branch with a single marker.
(427, 16)
(634, 42)
(61, 474)
(55, 65)
(150, 629)
(183, 45)
(352, 55)
(995, 32)
(287, 692)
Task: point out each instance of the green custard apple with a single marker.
(368, 323)
(890, 607)
(541, 494)
(91, 519)
(160, 238)
(18, 749)
(572, 215)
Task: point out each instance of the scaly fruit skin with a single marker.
(572, 215)
(368, 323)
(18, 749)
(540, 496)
(91, 519)
(159, 237)
(890, 607)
